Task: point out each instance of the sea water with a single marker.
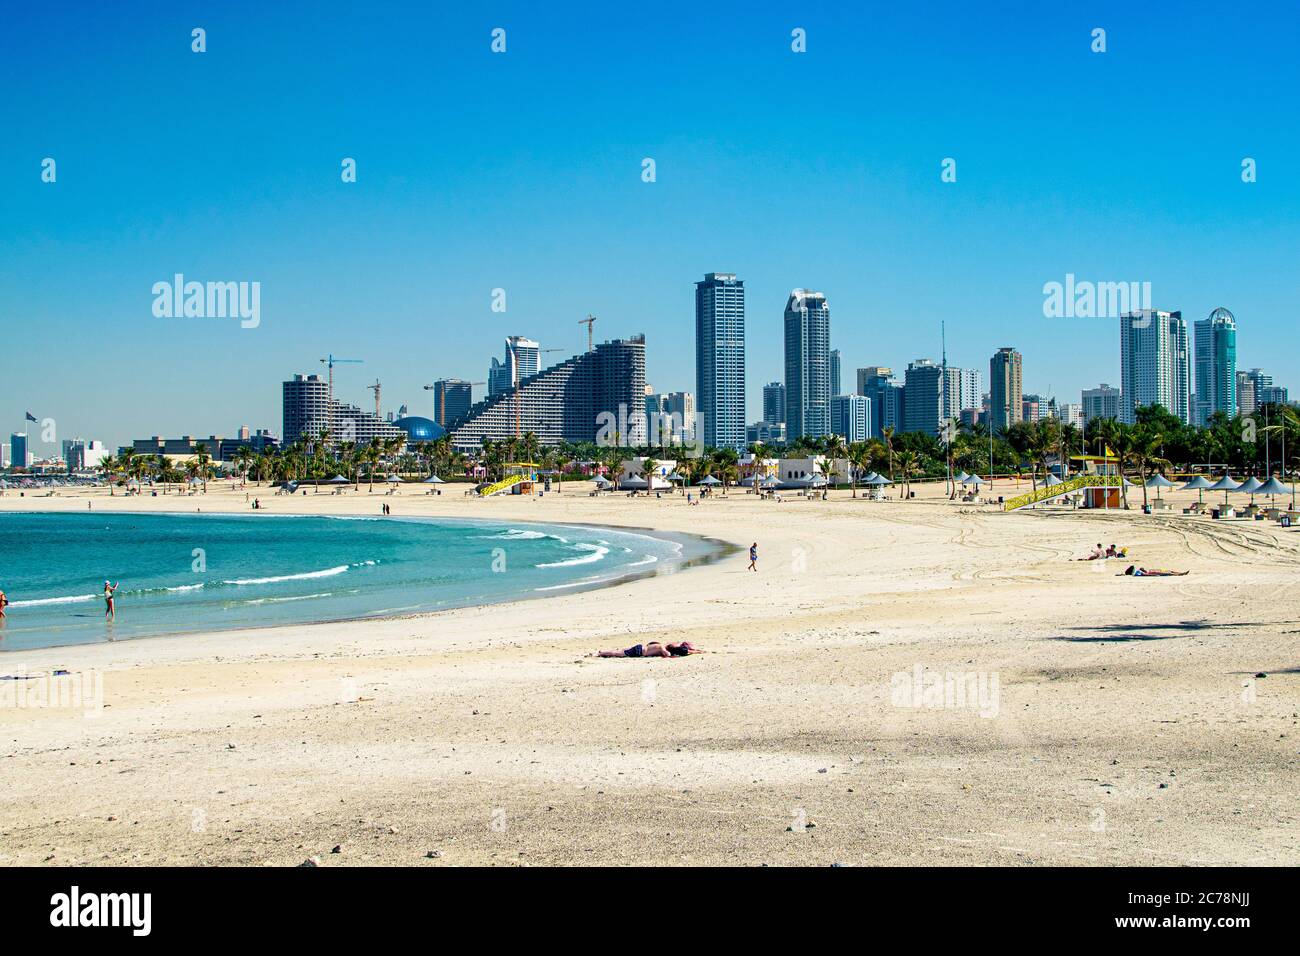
(188, 572)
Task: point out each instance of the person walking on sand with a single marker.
(753, 556)
(109, 613)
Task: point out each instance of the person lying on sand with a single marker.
(1134, 571)
(653, 649)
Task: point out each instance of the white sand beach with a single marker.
(1123, 721)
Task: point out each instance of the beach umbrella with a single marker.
(195, 481)
(975, 480)
(709, 480)
(339, 480)
(1250, 486)
(1272, 487)
(1158, 481)
(391, 479)
(1225, 484)
(601, 480)
(676, 477)
(768, 481)
(1051, 480)
(961, 479)
(1198, 484)
(866, 479)
(636, 481)
(880, 481)
(432, 480)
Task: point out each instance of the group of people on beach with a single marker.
(109, 611)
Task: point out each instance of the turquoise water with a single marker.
(185, 573)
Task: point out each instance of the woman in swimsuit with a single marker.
(108, 599)
(654, 649)
(1134, 571)
(4, 602)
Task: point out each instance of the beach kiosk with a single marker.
(1106, 465)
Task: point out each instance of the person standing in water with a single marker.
(4, 602)
(753, 556)
(109, 613)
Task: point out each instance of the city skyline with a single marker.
(399, 267)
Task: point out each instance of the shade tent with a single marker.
(879, 481)
(1052, 480)
(869, 477)
(635, 482)
(601, 480)
(768, 481)
(1225, 484)
(1250, 486)
(676, 477)
(1272, 487)
(975, 480)
(339, 480)
(393, 479)
(961, 479)
(432, 480)
(1198, 484)
(709, 480)
(1158, 481)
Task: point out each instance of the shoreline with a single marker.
(711, 550)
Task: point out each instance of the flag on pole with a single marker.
(31, 417)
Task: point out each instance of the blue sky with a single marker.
(523, 171)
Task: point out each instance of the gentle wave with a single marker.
(597, 553)
(72, 599)
(326, 573)
(281, 600)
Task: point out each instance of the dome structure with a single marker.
(1222, 313)
(420, 429)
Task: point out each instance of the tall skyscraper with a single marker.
(19, 455)
(452, 398)
(523, 357)
(596, 396)
(720, 359)
(1246, 403)
(1154, 363)
(307, 409)
(877, 383)
(807, 365)
(835, 373)
(670, 417)
(972, 394)
(851, 417)
(1006, 388)
(1100, 402)
(774, 403)
(1216, 365)
(929, 399)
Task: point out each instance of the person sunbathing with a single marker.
(653, 649)
(1094, 554)
(1134, 571)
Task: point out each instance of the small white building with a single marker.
(801, 469)
(658, 481)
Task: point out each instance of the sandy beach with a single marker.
(1122, 720)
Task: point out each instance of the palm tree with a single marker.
(827, 467)
(1144, 452)
(907, 464)
(108, 465)
(887, 436)
(201, 458)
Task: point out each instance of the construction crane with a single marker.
(589, 321)
(330, 363)
(375, 388)
(441, 413)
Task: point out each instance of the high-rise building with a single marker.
(1032, 408)
(308, 410)
(670, 417)
(929, 398)
(769, 433)
(1246, 403)
(1216, 365)
(774, 403)
(851, 417)
(597, 396)
(720, 359)
(1272, 395)
(523, 357)
(807, 365)
(878, 384)
(1154, 363)
(19, 454)
(835, 373)
(972, 394)
(1100, 402)
(83, 455)
(452, 398)
(1006, 388)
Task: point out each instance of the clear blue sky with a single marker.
(523, 171)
